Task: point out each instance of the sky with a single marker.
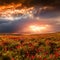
(17, 16)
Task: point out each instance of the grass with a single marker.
(30, 47)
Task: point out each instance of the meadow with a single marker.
(30, 47)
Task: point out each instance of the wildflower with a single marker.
(51, 56)
(45, 59)
(18, 46)
(32, 57)
(57, 54)
(12, 59)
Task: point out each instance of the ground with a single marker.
(30, 47)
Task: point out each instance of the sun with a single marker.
(36, 29)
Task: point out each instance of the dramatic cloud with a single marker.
(18, 26)
(33, 2)
(15, 18)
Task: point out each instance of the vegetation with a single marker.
(30, 47)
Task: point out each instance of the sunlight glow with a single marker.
(37, 28)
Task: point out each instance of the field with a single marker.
(30, 47)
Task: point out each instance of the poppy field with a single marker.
(30, 47)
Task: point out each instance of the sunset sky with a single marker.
(30, 16)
